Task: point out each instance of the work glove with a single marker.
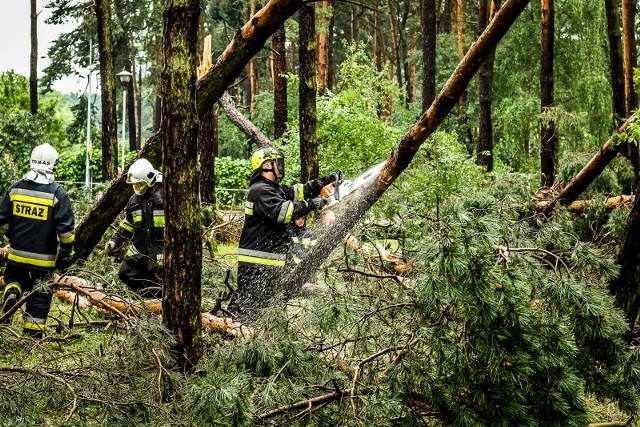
(332, 177)
(110, 247)
(318, 203)
(63, 260)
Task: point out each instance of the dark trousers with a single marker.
(138, 272)
(256, 290)
(22, 279)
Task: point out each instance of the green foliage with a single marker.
(232, 174)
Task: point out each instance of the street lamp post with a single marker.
(125, 78)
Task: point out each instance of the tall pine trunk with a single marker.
(428, 23)
(485, 90)
(548, 137)
(445, 20)
(33, 61)
(308, 85)
(630, 59)
(323, 46)
(280, 109)
(208, 149)
(616, 59)
(183, 228)
(107, 92)
(131, 109)
(396, 42)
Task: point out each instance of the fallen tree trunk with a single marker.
(241, 122)
(247, 41)
(588, 174)
(402, 156)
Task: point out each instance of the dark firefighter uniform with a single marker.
(265, 242)
(35, 216)
(144, 226)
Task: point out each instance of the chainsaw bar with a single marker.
(344, 188)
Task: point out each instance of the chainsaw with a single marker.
(341, 189)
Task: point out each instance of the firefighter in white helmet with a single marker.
(143, 226)
(37, 217)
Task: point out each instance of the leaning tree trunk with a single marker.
(548, 137)
(33, 62)
(183, 228)
(246, 43)
(630, 58)
(280, 110)
(428, 23)
(616, 59)
(308, 86)
(107, 95)
(403, 154)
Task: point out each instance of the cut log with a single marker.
(612, 202)
(99, 300)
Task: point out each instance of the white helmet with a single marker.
(142, 171)
(44, 158)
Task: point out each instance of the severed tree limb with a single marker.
(245, 125)
(403, 154)
(246, 43)
(589, 172)
(305, 404)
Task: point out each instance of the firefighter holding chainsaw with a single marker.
(265, 241)
(37, 217)
(143, 225)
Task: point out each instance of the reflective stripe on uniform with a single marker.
(286, 213)
(298, 192)
(34, 323)
(260, 257)
(248, 208)
(14, 285)
(137, 216)
(4, 228)
(158, 218)
(125, 224)
(23, 257)
(132, 250)
(67, 237)
(31, 196)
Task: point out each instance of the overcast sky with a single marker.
(15, 41)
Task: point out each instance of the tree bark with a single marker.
(308, 85)
(630, 58)
(107, 93)
(183, 228)
(378, 46)
(396, 42)
(616, 59)
(280, 108)
(252, 72)
(245, 44)
(403, 154)
(428, 23)
(323, 46)
(485, 88)
(548, 137)
(208, 147)
(445, 20)
(131, 109)
(402, 31)
(33, 62)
